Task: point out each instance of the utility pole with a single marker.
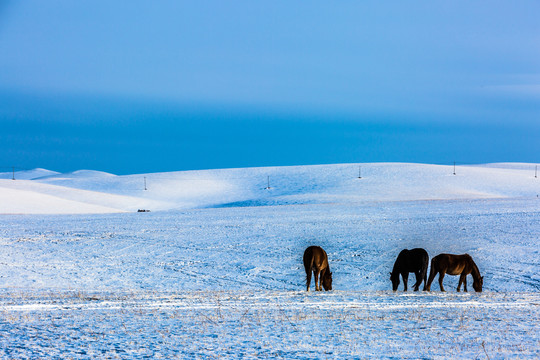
(268, 178)
(359, 172)
(454, 168)
(13, 168)
(536, 171)
(145, 183)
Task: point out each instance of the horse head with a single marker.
(327, 281)
(478, 283)
(394, 277)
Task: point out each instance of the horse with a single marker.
(416, 261)
(316, 261)
(450, 264)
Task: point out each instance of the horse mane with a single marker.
(475, 272)
(395, 268)
(397, 263)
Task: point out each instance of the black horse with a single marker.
(416, 261)
(316, 261)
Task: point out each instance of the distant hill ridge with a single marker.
(41, 191)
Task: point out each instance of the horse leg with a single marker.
(418, 276)
(441, 277)
(321, 277)
(461, 279)
(405, 277)
(317, 285)
(465, 283)
(308, 278)
(424, 272)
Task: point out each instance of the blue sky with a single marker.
(138, 86)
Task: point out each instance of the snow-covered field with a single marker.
(214, 270)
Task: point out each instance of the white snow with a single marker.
(99, 192)
(214, 270)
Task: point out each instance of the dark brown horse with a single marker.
(316, 261)
(415, 261)
(462, 265)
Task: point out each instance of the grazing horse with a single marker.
(416, 261)
(462, 265)
(316, 261)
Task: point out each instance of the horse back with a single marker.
(419, 255)
(315, 258)
(453, 264)
(411, 260)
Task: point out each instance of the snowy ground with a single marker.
(218, 273)
(276, 324)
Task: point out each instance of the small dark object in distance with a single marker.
(450, 264)
(316, 261)
(410, 261)
(143, 210)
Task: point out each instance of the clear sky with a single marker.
(146, 86)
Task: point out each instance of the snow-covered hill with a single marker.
(42, 191)
(28, 174)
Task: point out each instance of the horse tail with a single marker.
(432, 273)
(425, 266)
(308, 264)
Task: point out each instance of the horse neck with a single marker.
(397, 266)
(475, 272)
